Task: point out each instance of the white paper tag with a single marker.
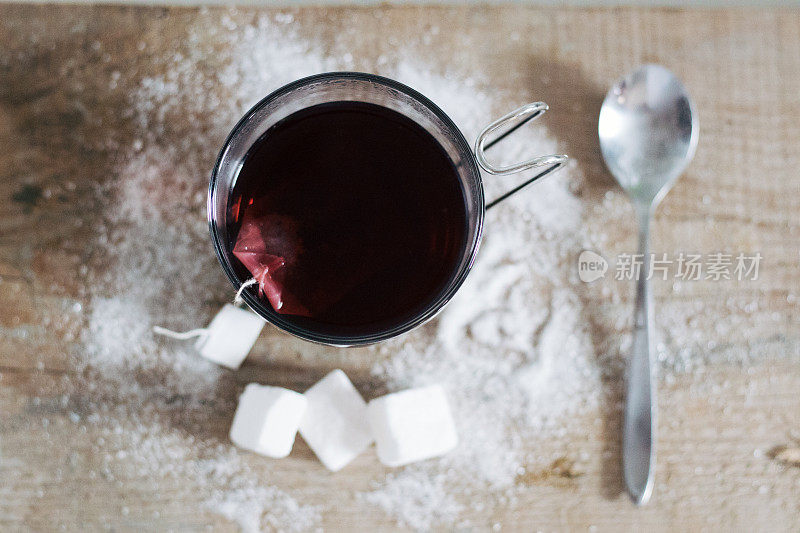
(230, 336)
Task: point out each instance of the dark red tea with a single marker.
(350, 215)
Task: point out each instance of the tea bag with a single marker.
(268, 247)
(302, 280)
(228, 338)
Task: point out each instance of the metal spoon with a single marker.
(648, 134)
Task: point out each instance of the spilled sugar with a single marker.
(148, 271)
(229, 487)
(512, 338)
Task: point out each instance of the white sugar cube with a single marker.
(230, 336)
(335, 425)
(412, 425)
(267, 419)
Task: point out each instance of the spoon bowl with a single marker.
(648, 134)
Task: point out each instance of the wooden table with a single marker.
(742, 193)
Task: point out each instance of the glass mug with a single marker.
(369, 88)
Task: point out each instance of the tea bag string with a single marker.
(238, 300)
(185, 335)
(158, 330)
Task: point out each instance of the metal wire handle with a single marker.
(512, 122)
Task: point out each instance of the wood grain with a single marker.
(742, 193)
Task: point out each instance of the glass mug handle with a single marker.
(509, 124)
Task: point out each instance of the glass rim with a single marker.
(455, 281)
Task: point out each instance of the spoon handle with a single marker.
(638, 436)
